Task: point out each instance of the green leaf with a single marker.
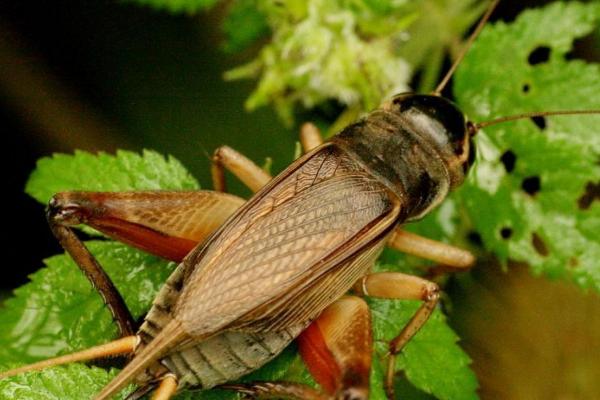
(177, 6)
(533, 210)
(70, 382)
(105, 172)
(432, 360)
(59, 312)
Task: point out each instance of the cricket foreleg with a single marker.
(394, 285)
(242, 167)
(310, 137)
(428, 249)
(254, 177)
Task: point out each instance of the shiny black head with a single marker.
(443, 125)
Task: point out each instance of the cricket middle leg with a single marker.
(395, 285)
(416, 245)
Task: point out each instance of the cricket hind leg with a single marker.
(96, 275)
(166, 224)
(336, 348)
(395, 285)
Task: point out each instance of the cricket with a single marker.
(291, 263)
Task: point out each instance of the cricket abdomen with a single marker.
(227, 357)
(222, 358)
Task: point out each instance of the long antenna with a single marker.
(465, 49)
(483, 124)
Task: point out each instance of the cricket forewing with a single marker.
(306, 222)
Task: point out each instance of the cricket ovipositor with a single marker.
(298, 245)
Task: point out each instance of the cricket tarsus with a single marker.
(395, 285)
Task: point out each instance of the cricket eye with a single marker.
(437, 118)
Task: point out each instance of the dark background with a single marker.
(101, 75)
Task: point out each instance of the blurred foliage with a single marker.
(354, 52)
(177, 6)
(543, 329)
(350, 51)
(324, 50)
(243, 26)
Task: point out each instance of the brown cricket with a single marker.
(255, 275)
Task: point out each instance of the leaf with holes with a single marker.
(532, 195)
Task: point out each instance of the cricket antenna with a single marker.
(474, 127)
(465, 49)
(121, 346)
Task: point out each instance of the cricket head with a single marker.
(442, 126)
